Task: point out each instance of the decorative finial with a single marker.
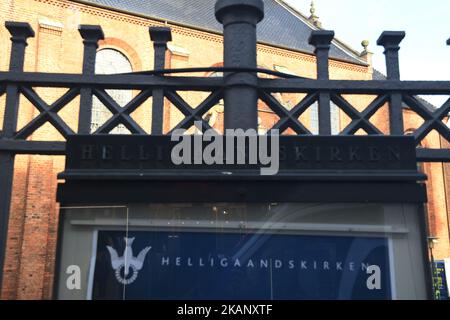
(314, 19)
(366, 54)
(365, 45)
(313, 8)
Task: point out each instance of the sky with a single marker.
(424, 54)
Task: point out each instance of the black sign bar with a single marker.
(362, 158)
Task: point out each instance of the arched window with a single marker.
(314, 118)
(216, 74)
(110, 61)
(213, 114)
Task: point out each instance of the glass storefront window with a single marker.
(242, 251)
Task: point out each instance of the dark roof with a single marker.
(377, 75)
(282, 26)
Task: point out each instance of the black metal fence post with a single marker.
(20, 32)
(91, 35)
(321, 40)
(390, 40)
(160, 36)
(239, 19)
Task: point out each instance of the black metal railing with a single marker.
(15, 84)
(160, 85)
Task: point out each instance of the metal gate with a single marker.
(240, 87)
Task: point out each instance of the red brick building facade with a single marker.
(57, 47)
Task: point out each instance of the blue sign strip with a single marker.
(216, 266)
(439, 281)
